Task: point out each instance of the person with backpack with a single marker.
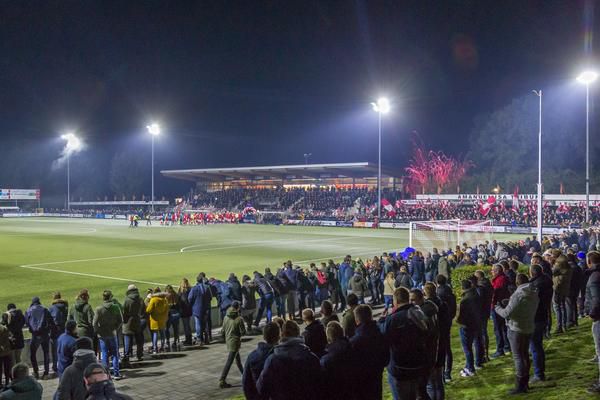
(15, 324)
(59, 310)
(40, 324)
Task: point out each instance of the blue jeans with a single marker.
(389, 301)
(467, 337)
(109, 347)
(403, 389)
(435, 384)
(36, 341)
(202, 325)
(502, 344)
(266, 304)
(536, 345)
(139, 341)
(187, 329)
(155, 335)
(280, 303)
(173, 322)
(560, 308)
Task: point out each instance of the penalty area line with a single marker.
(114, 278)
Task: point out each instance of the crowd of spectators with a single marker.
(332, 355)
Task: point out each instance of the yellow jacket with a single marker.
(158, 311)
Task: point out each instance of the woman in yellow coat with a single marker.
(157, 309)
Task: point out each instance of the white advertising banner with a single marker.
(19, 194)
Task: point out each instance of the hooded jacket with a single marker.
(105, 390)
(133, 308)
(500, 284)
(315, 337)
(59, 310)
(38, 319)
(158, 311)
(469, 311)
(233, 330)
(16, 322)
(5, 346)
(340, 367)
(543, 284)
(561, 276)
(521, 309)
(373, 353)
(83, 314)
(293, 364)
(358, 285)
(254, 366)
(199, 298)
(65, 351)
(71, 385)
(23, 389)
(592, 293)
(107, 320)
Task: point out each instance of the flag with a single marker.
(562, 188)
(398, 204)
(516, 198)
(485, 208)
(387, 206)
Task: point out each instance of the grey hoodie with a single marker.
(71, 385)
(521, 309)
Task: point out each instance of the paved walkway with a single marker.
(192, 373)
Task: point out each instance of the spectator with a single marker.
(59, 310)
(233, 330)
(500, 293)
(256, 360)
(133, 309)
(406, 331)
(358, 286)
(99, 385)
(186, 310)
(389, 285)
(157, 309)
(174, 317)
(66, 347)
(5, 352)
(469, 319)
(445, 293)
(486, 292)
(577, 282)
(23, 386)
(292, 362)
(235, 288)
(561, 279)
(372, 350)
(248, 308)
(289, 278)
(416, 270)
(592, 305)
(71, 385)
(107, 321)
(520, 313)
(348, 322)
(200, 297)
(15, 324)
(327, 313)
(83, 314)
(435, 384)
(314, 333)
(40, 324)
(266, 294)
(339, 365)
(543, 285)
(404, 280)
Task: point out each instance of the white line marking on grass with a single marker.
(99, 259)
(114, 278)
(257, 243)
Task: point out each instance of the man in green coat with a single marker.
(83, 314)
(133, 308)
(233, 330)
(107, 321)
(23, 386)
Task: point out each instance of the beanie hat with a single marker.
(84, 343)
(89, 370)
(131, 287)
(35, 300)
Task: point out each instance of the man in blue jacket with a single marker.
(200, 297)
(406, 331)
(40, 324)
(256, 360)
(346, 273)
(292, 297)
(292, 372)
(66, 346)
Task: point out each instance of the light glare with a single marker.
(73, 142)
(382, 106)
(587, 77)
(153, 129)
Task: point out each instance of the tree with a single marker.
(126, 174)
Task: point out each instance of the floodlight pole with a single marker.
(69, 183)
(379, 173)
(587, 153)
(539, 184)
(152, 200)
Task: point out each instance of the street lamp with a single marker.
(539, 184)
(153, 130)
(382, 106)
(73, 145)
(587, 78)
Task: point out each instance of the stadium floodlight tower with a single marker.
(539, 184)
(382, 106)
(153, 130)
(587, 78)
(73, 145)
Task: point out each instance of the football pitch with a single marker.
(43, 255)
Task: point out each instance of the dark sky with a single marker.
(237, 83)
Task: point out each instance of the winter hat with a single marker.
(35, 300)
(84, 343)
(131, 287)
(581, 255)
(89, 371)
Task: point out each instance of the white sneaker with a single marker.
(466, 373)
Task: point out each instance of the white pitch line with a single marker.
(90, 275)
(252, 244)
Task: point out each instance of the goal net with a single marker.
(446, 234)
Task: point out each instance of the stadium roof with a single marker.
(284, 172)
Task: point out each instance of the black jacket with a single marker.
(430, 309)
(577, 280)
(340, 368)
(486, 292)
(15, 327)
(71, 385)
(469, 312)
(445, 293)
(292, 372)
(444, 323)
(235, 289)
(373, 353)
(592, 293)
(543, 284)
(315, 337)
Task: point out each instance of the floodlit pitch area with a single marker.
(42, 255)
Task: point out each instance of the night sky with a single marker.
(240, 83)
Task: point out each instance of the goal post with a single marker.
(446, 234)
